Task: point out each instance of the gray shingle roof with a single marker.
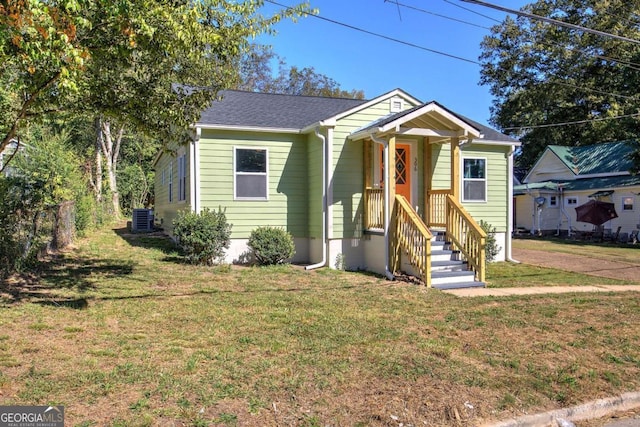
(268, 110)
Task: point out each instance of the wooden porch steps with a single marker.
(447, 272)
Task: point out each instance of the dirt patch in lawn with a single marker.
(579, 264)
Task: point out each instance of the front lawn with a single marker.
(122, 333)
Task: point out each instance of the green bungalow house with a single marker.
(315, 166)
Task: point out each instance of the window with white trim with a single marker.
(170, 180)
(250, 175)
(182, 178)
(474, 180)
(627, 203)
(571, 201)
(553, 201)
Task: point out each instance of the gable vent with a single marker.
(397, 105)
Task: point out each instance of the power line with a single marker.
(382, 36)
(440, 15)
(551, 20)
(617, 95)
(471, 10)
(577, 122)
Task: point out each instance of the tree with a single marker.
(256, 73)
(152, 64)
(542, 74)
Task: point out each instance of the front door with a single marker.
(403, 169)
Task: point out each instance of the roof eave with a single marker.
(248, 128)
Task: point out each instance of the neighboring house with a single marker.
(315, 167)
(564, 178)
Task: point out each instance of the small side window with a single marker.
(571, 201)
(553, 201)
(627, 203)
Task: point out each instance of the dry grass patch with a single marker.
(122, 333)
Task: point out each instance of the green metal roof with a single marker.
(607, 157)
(602, 183)
(593, 184)
(525, 188)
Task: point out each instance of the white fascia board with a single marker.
(470, 130)
(329, 123)
(480, 141)
(363, 134)
(249, 128)
(602, 175)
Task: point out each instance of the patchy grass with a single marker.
(626, 253)
(511, 275)
(122, 333)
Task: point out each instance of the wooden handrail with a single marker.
(410, 234)
(467, 236)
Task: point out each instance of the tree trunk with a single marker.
(97, 187)
(111, 151)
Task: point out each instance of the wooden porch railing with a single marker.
(410, 234)
(466, 236)
(374, 208)
(437, 208)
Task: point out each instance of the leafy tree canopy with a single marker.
(257, 74)
(121, 59)
(542, 74)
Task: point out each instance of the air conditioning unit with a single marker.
(142, 220)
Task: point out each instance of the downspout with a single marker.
(194, 172)
(322, 263)
(387, 213)
(509, 235)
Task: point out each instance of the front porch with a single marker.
(426, 229)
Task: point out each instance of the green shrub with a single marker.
(271, 245)
(203, 237)
(492, 249)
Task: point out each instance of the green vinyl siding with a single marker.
(287, 186)
(494, 210)
(348, 176)
(441, 166)
(315, 192)
(165, 211)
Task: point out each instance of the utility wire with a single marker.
(552, 21)
(382, 36)
(472, 11)
(577, 122)
(440, 15)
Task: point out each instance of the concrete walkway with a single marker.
(539, 290)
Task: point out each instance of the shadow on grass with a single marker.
(156, 240)
(59, 274)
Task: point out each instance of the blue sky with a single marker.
(362, 61)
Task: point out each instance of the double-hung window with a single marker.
(182, 178)
(250, 173)
(474, 180)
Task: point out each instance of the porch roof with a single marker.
(430, 119)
